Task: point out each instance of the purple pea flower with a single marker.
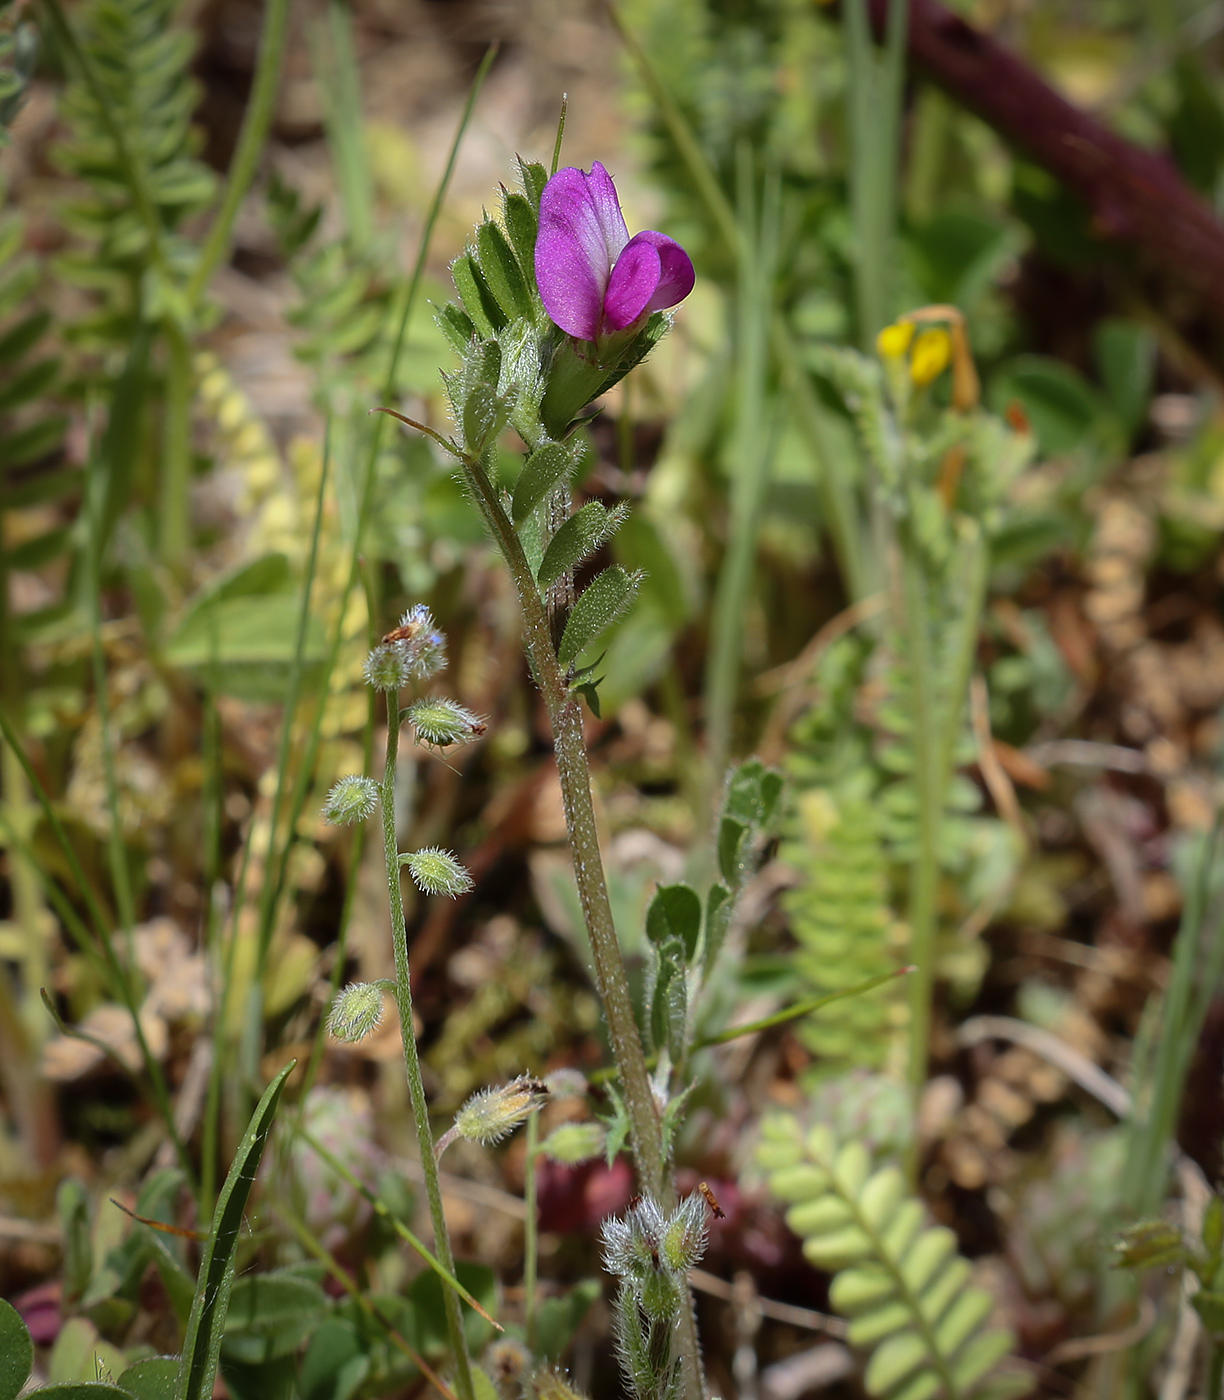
(593, 278)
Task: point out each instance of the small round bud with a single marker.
(566, 1083)
(356, 1012)
(440, 722)
(435, 871)
(387, 667)
(492, 1113)
(352, 799)
(572, 1143)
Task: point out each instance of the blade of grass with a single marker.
(334, 61)
(800, 1008)
(255, 124)
(202, 1342)
(314, 1246)
(396, 1224)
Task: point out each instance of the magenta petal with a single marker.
(634, 281)
(676, 277)
(581, 233)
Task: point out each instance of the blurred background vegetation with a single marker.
(202, 288)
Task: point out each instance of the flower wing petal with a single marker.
(633, 283)
(581, 231)
(676, 276)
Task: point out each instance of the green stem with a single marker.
(174, 487)
(925, 873)
(531, 1232)
(935, 731)
(255, 124)
(412, 1062)
(611, 981)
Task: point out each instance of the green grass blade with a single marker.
(202, 1344)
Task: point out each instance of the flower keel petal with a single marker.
(633, 283)
(676, 277)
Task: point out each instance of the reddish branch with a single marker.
(1134, 196)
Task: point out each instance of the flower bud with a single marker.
(387, 668)
(492, 1113)
(435, 871)
(352, 799)
(572, 1143)
(439, 722)
(424, 646)
(356, 1012)
(930, 356)
(684, 1237)
(893, 341)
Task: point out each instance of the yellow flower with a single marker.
(930, 357)
(893, 341)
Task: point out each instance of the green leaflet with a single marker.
(202, 1343)
(909, 1294)
(502, 271)
(581, 535)
(16, 1352)
(544, 469)
(603, 601)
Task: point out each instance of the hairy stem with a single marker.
(573, 770)
(412, 1062)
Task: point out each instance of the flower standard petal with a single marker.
(634, 280)
(581, 233)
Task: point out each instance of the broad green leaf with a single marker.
(202, 1344)
(16, 1352)
(559, 1318)
(153, 1378)
(542, 471)
(72, 1207)
(269, 1315)
(1064, 409)
(1125, 354)
(335, 1363)
(601, 603)
(246, 646)
(425, 1295)
(82, 1390)
(502, 272)
(675, 912)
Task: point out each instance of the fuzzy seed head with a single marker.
(435, 871)
(352, 799)
(489, 1115)
(440, 722)
(423, 644)
(356, 1012)
(386, 667)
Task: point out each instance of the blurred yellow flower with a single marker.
(930, 357)
(893, 341)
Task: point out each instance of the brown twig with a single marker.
(1134, 197)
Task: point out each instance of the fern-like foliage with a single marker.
(900, 1281)
(132, 147)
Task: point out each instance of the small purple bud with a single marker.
(593, 278)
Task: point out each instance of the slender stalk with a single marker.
(531, 1231)
(412, 1062)
(174, 479)
(611, 982)
(935, 730)
(255, 123)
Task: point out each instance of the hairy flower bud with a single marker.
(572, 1143)
(490, 1114)
(684, 1237)
(435, 871)
(422, 644)
(440, 722)
(386, 667)
(352, 799)
(356, 1012)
